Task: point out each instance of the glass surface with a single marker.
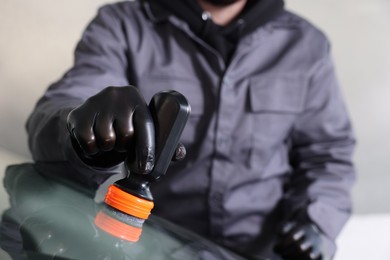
(47, 218)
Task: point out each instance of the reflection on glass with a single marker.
(119, 225)
(49, 219)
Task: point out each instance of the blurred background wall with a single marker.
(37, 39)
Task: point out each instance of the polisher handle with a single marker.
(170, 111)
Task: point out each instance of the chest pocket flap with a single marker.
(279, 93)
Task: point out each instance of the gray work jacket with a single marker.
(268, 133)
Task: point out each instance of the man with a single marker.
(268, 169)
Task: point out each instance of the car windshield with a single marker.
(45, 218)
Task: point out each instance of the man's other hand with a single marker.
(300, 240)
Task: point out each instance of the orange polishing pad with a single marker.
(127, 203)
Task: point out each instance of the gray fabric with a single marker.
(267, 134)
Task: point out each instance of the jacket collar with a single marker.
(154, 11)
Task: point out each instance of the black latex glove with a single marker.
(301, 239)
(113, 126)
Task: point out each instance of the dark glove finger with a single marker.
(82, 132)
(299, 249)
(180, 153)
(124, 130)
(291, 252)
(287, 228)
(313, 238)
(306, 250)
(144, 140)
(315, 254)
(104, 132)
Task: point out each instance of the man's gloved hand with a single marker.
(301, 239)
(113, 126)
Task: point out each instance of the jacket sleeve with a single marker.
(322, 144)
(100, 61)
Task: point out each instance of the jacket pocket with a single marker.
(275, 102)
(278, 93)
